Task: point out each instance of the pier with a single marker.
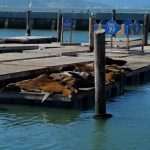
(48, 20)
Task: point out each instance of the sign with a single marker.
(127, 27)
(96, 26)
(102, 22)
(111, 27)
(136, 27)
(67, 23)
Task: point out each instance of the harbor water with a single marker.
(35, 128)
(77, 36)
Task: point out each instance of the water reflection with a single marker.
(13, 115)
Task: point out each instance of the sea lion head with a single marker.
(69, 92)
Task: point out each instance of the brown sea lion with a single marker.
(59, 76)
(42, 79)
(47, 88)
(110, 61)
(116, 68)
(29, 88)
(112, 77)
(38, 81)
(57, 88)
(84, 68)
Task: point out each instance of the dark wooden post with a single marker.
(113, 17)
(113, 14)
(59, 27)
(145, 29)
(28, 23)
(128, 43)
(91, 34)
(111, 42)
(71, 35)
(71, 30)
(100, 102)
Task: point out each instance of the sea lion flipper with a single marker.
(46, 95)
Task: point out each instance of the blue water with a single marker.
(77, 36)
(34, 128)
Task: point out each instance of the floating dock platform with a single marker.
(28, 39)
(31, 63)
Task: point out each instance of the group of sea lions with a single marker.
(69, 79)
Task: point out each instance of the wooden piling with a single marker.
(128, 47)
(111, 41)
(91, 34)
(100, 102)
(113, 14)
(28, 23)
(113, 17)
(6, 22)
(70, 36)
(62, 32)
(145, 30)
(59, 27)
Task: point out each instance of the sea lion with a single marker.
(82, 79)
(69, 67)
(29, 88)
(35, 82)
(47, 88)
(84, 68)
(57, 88)
(59, 76)
(74, 79)
(116, 68)
(43, 84)
(11, 87)
(42, 79)
(110, 61)
(112, 77)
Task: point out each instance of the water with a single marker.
(77, 36)
(23, 127)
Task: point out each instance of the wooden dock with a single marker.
(31, 63)
(28, 39)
